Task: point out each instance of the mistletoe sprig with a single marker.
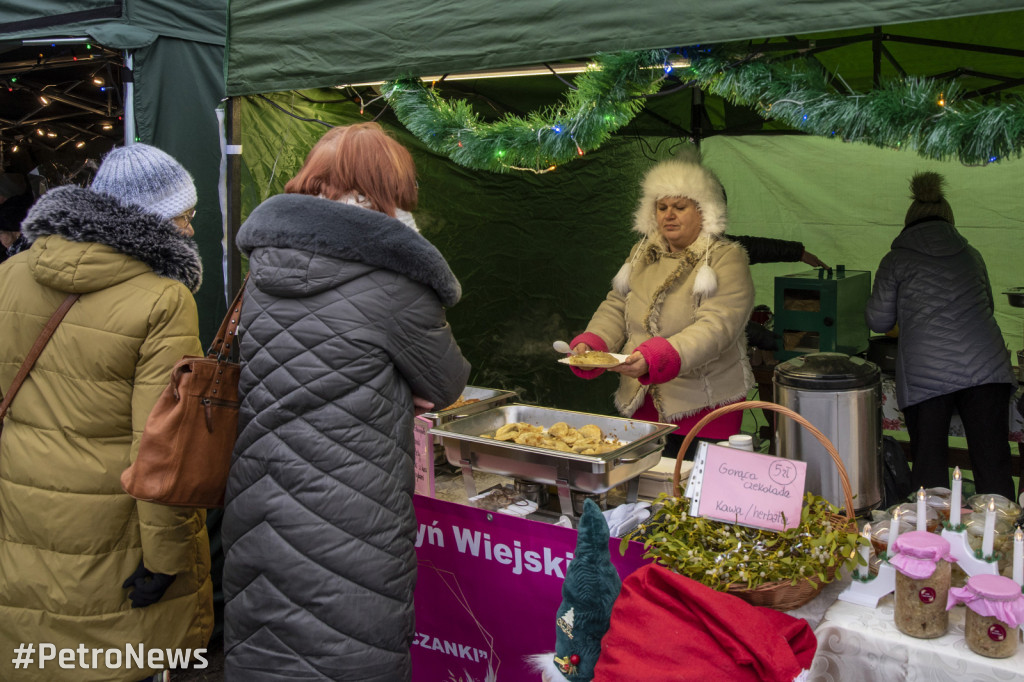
(606, 97)
(923, 114)
(722, 555)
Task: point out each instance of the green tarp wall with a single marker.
(536, 253)
(178, 48)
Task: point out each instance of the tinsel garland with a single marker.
(606, 97)
(914, 112)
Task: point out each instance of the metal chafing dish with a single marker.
(487, 398)
(466, 448)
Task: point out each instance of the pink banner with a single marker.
(487, 591)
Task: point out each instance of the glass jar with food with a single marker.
(880, 534)
(1002, 537)
(995, 611)
(1005, 509)
(922, 563)
(939, 499)
(908, 514)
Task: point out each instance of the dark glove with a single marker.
(149, 586)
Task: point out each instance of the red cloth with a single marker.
(719, 429)
(668, 628)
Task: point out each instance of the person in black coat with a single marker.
(951, 354)
(15, 201)
(768, 250)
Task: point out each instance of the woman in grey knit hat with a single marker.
(951, 353)
(84, 564)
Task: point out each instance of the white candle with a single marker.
(894, 531)
(1018, 557)
(955, 503)
(922, 511)
(865, 550)
(990, 528)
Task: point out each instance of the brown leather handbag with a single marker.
(34, 353)
(185, 450)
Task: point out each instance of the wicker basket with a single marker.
(781, 594)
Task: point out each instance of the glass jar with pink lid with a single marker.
(922, 562)
(995, 611)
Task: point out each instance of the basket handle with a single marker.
(772, 407)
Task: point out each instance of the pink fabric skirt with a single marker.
(720, 429)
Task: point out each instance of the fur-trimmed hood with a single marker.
(348, 232)
(86, 217)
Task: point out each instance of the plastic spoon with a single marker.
(563, 347)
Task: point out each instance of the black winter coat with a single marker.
(341, 325)
(935, 285)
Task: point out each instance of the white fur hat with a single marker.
(683, 176)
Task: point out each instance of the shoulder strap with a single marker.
(221, 346)
(37, 349)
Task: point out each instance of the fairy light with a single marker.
(79, 144)
(942, 99)
(44, 100)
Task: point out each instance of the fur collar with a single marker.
(322, 226)
(82, 215)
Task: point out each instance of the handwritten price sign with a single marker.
(745, 488)
(424, 464)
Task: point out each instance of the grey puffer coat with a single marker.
(935, 285)
(341, 325)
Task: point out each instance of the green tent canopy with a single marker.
(536, 252)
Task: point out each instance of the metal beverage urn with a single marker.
(839, 395)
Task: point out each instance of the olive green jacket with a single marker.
(69, 535)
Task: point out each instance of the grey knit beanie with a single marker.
(926, 189)
(144, 176)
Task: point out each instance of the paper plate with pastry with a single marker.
(594, 359)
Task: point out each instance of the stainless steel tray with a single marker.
(486, 399)
(641, 450)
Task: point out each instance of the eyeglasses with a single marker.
(185, 219)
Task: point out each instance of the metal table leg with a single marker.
(632, 490)
(564, 497)
(467, 472)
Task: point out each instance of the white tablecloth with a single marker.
(858, 644)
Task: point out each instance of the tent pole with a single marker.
(128, 80)
(697, 115)
(876, 57)
(233, 120)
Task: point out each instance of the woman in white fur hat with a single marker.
(678, 307)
